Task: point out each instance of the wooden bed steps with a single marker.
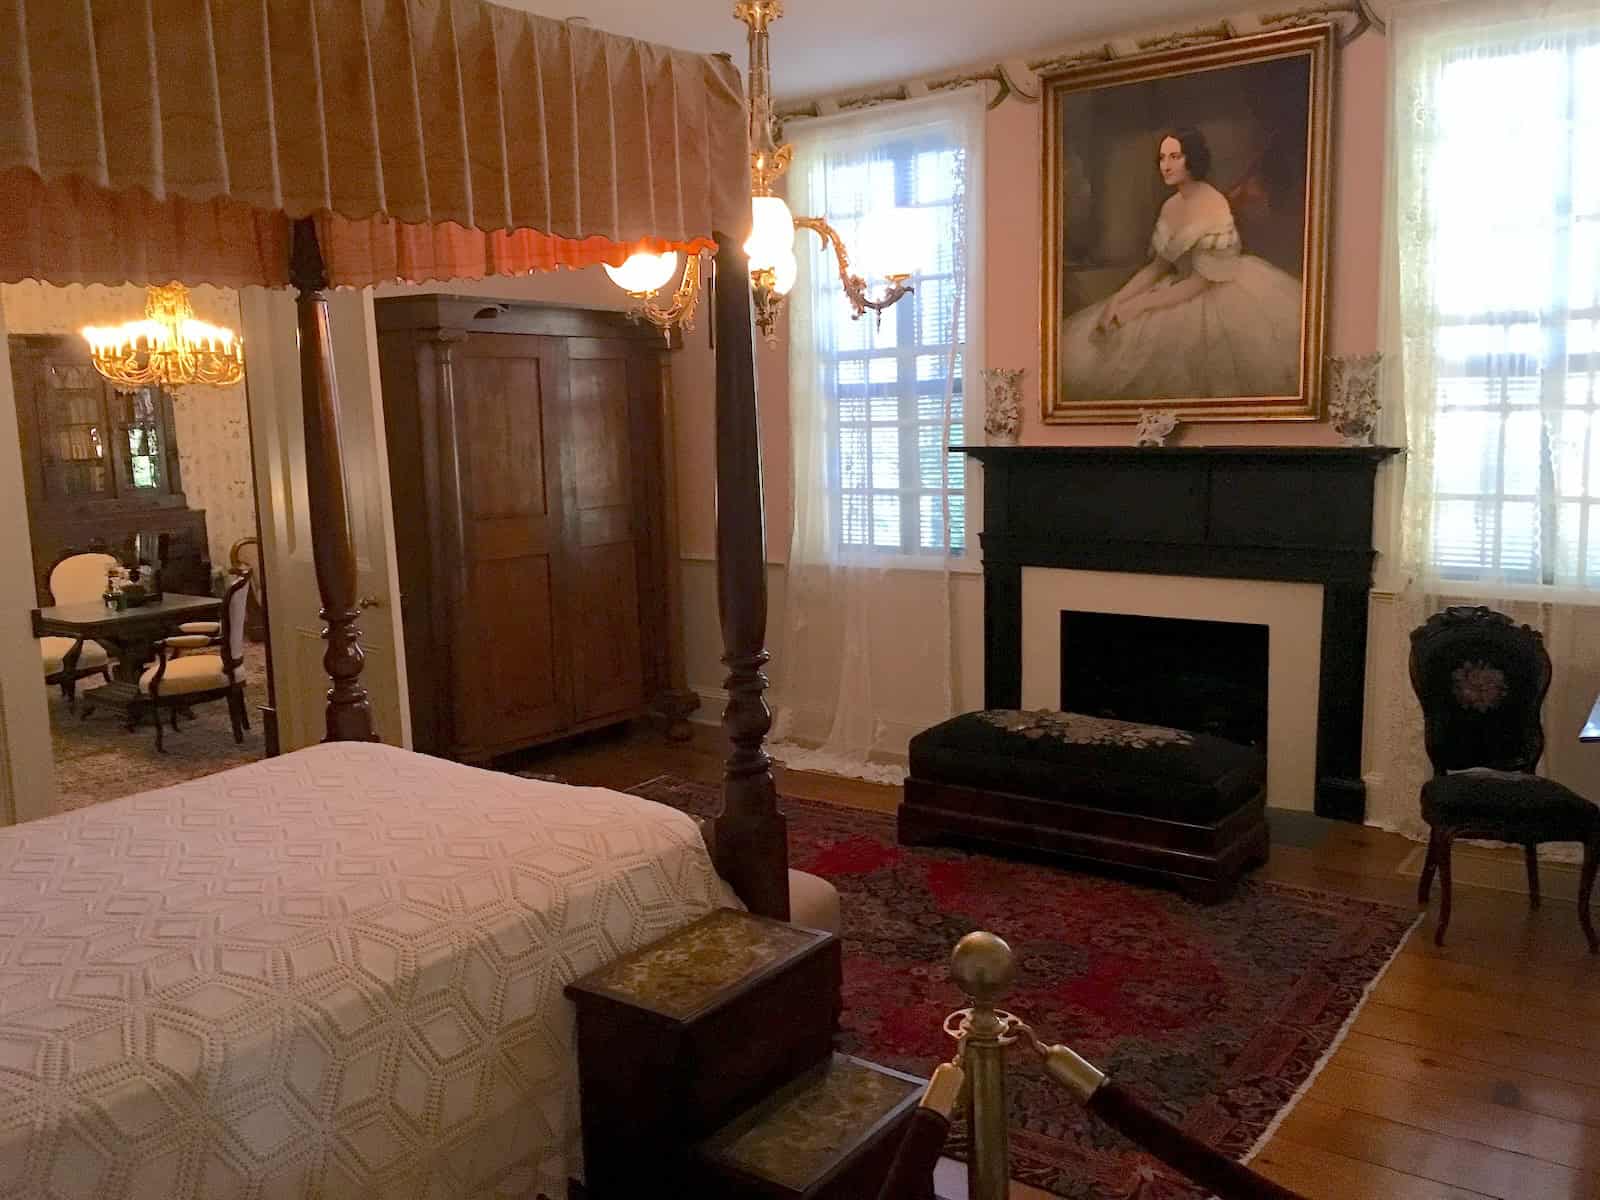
(828, 1135)
(705, 1057)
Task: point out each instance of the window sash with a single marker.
(888, 391)
(1516, 473)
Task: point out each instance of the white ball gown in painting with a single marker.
(1238, 337)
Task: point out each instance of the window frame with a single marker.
(901, 145)
(1552, 369)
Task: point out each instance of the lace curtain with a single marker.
(1492, 340)
(879, 504)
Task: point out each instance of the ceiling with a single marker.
(824, 46)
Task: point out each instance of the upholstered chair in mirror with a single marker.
(179, 680)
(1481, 680)
(76, 579)
(244, 555)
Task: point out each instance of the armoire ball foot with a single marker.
(532, 506)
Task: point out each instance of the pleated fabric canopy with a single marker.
(149, 140)
(309, 142)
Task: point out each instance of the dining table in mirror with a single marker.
(130, 635)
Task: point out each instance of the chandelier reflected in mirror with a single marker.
(774, 266)
(168, 349)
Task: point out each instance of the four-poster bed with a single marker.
(312, 143)
(196, 976)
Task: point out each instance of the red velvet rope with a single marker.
(1122, 1110)
(911, 1174)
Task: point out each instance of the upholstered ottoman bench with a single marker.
(1163, 805)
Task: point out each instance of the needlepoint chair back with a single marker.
(1481, 680)
(80, 578)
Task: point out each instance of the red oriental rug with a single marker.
(1217, 1016)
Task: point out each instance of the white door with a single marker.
(27, 772)
(272, 370)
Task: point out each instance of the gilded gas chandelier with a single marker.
(168, 349)
(770, 247)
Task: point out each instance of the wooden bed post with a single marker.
(349, 715)
(751, 841)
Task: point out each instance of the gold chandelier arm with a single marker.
(854, 286)
(685, 300)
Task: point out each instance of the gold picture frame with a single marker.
(1226, 335)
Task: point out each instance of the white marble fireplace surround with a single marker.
(1292, 613)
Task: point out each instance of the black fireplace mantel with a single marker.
(1298, 514)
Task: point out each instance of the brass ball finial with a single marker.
(981, 964)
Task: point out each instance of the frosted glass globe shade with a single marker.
(785, 273)
(644, 273)
(895, 241)
(771, 232)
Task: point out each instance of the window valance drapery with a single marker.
(145, 140)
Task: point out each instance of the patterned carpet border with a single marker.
(1338, 1039)
(1167, 995)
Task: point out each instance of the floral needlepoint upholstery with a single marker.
(1481, 680)
(1124, 766)
(1481, 683)
(1479, 686)
(1086, 731)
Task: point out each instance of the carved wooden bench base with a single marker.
(1203, 861)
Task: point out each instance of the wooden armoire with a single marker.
(533, 525)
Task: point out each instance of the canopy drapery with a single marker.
(148, 140)
(310, 142)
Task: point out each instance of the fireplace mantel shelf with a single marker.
(1298, 514)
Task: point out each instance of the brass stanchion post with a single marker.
(981, 966)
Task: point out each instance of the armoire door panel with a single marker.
(597, 423)
(502, 406)
(607, 668)
(509, 537)
(605, 526)
(508, 671)
(512, 672)
(608, 675)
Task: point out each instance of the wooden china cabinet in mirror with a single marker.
(101, 468)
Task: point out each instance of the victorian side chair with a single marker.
(76, 579)
(178, 680)
(1481, 680)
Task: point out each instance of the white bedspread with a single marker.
(334, 973)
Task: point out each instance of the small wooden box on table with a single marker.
(688, 1033)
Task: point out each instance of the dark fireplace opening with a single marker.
(1202, 676)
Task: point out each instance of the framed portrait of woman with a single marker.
(1185, 225)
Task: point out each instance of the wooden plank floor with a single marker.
(1473, 1071)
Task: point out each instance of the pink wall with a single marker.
(1014, 232)
(1011, 283)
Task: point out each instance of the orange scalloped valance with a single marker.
(147, 140)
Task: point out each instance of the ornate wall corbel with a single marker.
(1222, 31)
(1076, 58)
(1352, 17)
(1360, 13)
